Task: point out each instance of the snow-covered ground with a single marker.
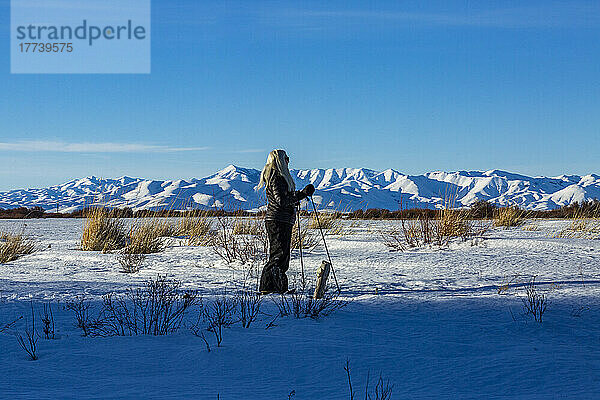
(430, 320)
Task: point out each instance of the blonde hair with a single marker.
(277, 162)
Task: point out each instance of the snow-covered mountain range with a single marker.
(343, 189)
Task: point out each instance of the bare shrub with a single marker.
(249, 302)
(14, 246)
(157, 308)
(130, 262)
(80, 306)
(446, 225)
(161, 305)
(272, 323)
(416, 233)
(195, 226)
(382, 390)
(307, 237)
(102, 231)
(48, 320)
(535, 303)
(29, 342)
(115, 318)
(10, 324)
(220, 314)
(224, 243)
(394, 239)
(198, 331)
(482, 209)
(231, 247)
(303, 305)
(508, 217)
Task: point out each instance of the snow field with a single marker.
(437, 327)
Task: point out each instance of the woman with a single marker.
(282, 199)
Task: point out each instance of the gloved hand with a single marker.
(309, 189)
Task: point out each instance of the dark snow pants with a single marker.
(273, 278)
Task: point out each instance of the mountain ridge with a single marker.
(234, 187)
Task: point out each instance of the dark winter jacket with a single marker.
(281, 201)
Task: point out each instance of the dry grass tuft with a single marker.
(102, 231)
(251, 226)
(196, 226)
(582, 227)
(328, 221)
(510, 216)
(531, 227)
(453, 223)
(147, 236)
(14, 246)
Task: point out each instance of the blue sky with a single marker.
(411, 85)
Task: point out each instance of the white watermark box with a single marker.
(80, 36)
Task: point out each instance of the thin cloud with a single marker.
(108, 147)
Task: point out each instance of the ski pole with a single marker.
(325, 243)
(300, 241)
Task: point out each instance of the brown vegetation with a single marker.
(146, 236)
(14, 246)
(582, 226)
(308, 238)
(439, 230)
(103, 231)
(509, 217)
(195, 226)
(480, 210)
(246, 248)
